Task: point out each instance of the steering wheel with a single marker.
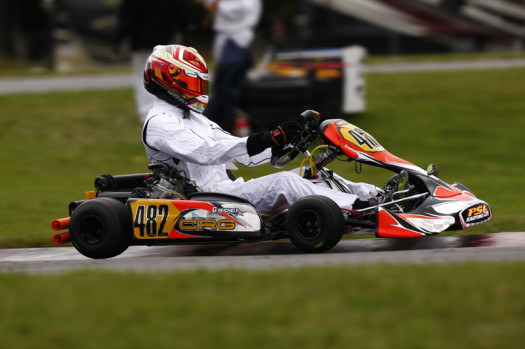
(308, 130)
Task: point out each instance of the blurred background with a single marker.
(76, 36)
(49, 31)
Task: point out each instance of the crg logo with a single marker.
(205, 224)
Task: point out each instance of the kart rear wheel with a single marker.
(315, 224)
(101, 228)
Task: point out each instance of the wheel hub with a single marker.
(310, 225)
(92, 230)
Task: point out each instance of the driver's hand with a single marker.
(276, 138)
(283, 133)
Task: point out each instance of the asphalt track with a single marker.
(498, 247)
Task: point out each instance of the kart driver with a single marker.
(176, 133)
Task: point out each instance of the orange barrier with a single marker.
(60, 224)
(61, 238)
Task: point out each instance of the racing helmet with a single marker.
(178, 75)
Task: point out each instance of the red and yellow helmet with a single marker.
(179, 75)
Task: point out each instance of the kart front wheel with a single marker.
(315, 224)
(101, 228)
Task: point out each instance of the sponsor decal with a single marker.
(476, 214)
(232, 211)
(205, 224)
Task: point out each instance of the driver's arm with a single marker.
(171, 137)
(261, 141)
(247, 160)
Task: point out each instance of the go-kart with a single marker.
(163, 207)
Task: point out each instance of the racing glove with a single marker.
(276, 138)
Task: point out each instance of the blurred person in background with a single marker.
(234, 23)
(146, 23)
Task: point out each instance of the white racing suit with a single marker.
(201, 149)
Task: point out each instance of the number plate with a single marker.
(359, 137)
(153, 219)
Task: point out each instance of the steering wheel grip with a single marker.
(308, 123)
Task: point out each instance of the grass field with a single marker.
(469, 123)
(471, 305)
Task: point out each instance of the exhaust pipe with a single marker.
(60, 224)
(61, 238)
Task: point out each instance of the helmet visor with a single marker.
(195, 83)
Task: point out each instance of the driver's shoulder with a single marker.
(159, 117)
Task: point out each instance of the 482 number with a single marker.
(146, 220)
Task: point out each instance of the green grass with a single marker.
(371, 306)
(470, 123)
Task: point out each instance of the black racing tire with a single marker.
(315, 224)
(101, 228)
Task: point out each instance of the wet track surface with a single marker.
(277, 254)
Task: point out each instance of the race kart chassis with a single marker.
(163, 207)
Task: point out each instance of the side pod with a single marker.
(410, 225)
